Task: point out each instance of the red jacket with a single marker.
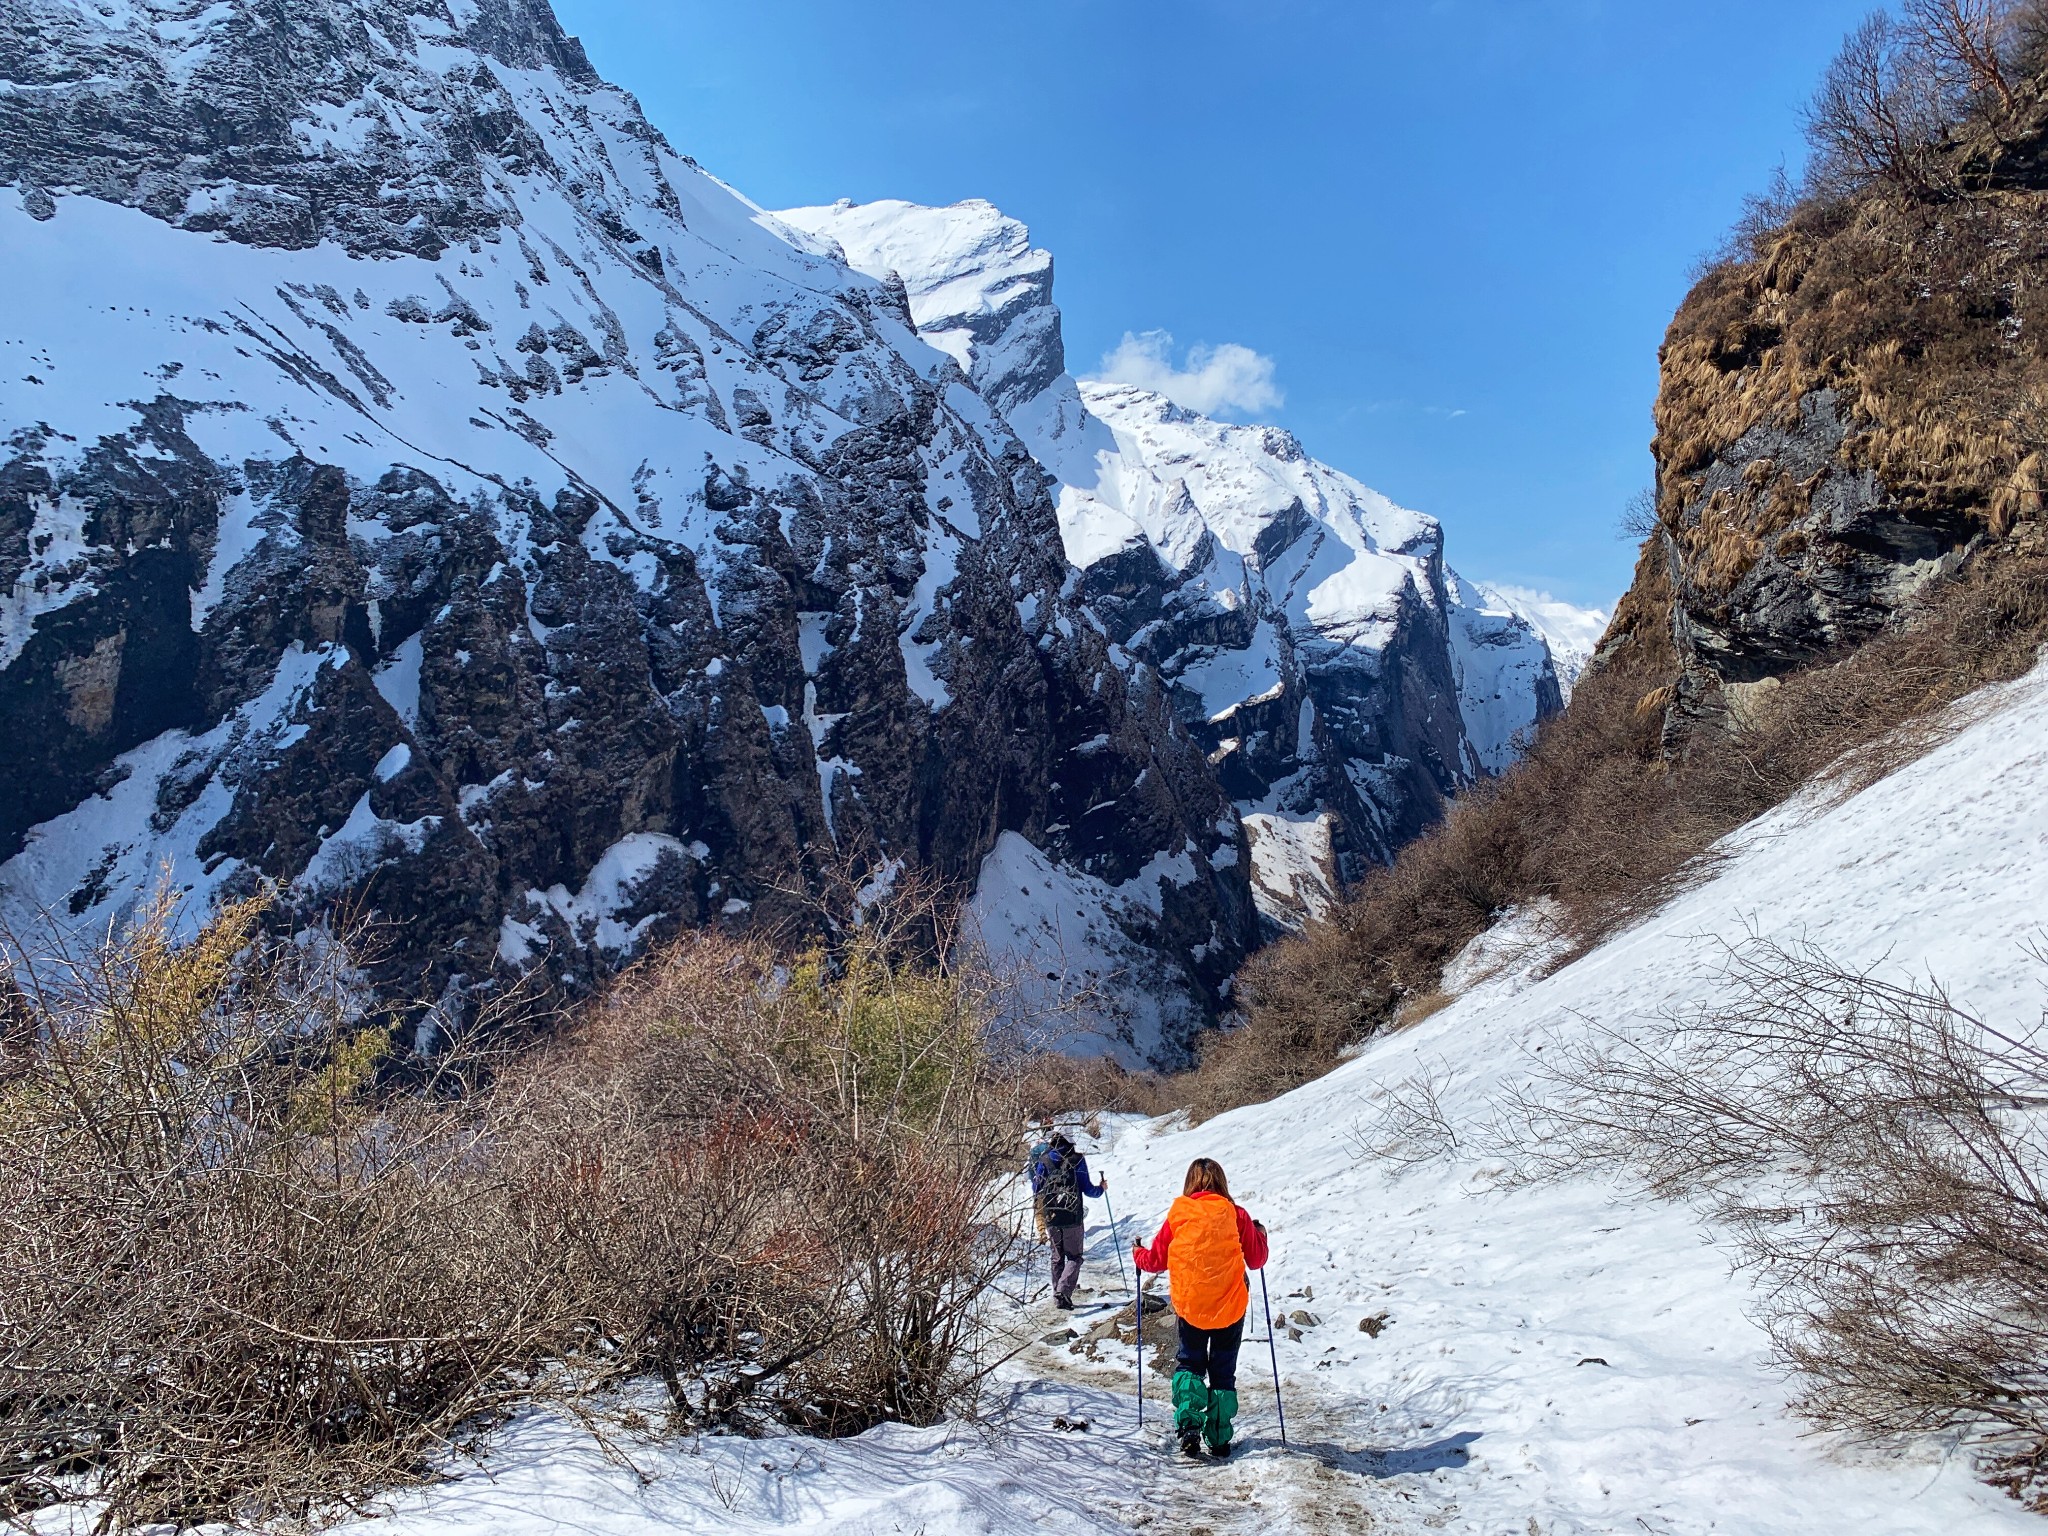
(1207, 1277)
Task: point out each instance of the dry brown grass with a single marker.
(1924, 316)
(1056, 1087)
(1415, 1009)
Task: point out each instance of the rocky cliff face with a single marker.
(1340, 677)
(1848, 410)
(424, 490)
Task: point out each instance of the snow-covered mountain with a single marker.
(425, 490)
(425, 487)
(1572, 633)
(1341, 677)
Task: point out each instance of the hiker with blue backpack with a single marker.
(1059, 1180)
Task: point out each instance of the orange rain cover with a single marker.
(1205, 1264)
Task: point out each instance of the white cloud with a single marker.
(1229, 380)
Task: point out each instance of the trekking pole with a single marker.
(1115, 1239)
(1273, 1347)
(1138, 1334)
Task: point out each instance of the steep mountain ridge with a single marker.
(426, 492)
(542, 549)
(1307, 628)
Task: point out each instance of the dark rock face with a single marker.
(1823, 578)
(207, 132)
(455, 504)
(1360, 732)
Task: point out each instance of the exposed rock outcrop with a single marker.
(1848, 410)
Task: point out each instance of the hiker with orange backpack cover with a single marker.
(1204, 1247)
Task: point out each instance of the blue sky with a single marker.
(1456, 228)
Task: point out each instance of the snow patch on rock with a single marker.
(1059, 944)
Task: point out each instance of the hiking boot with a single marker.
(1064, 1303)
(1220, 1452)
(1190, 1411)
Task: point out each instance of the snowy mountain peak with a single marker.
(384, 125)
(1305, 625)
(978, 289)
(1571, 632)
(443, 498)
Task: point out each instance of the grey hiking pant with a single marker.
(1066, 1259)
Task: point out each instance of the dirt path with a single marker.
(1325, 1480)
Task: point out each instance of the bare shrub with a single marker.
(1879, 114)
(1904, 88)
(820, 1135)
(227, 1287)
(1970, 47)
(1763, 215)
(1883, 1158)
(1406, 1121)
(1638, 519)
(2029, 39)
(252, 1266)
(775, 1184)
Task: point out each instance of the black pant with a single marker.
(1211, 1352)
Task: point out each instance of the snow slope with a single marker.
(1496, 1298)
(1564, 1360)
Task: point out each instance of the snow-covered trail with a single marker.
(1318, 1482)
(1014, 1473)
(1587, 1348)
(1556, 1360)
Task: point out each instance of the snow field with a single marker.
(1589, 1346)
